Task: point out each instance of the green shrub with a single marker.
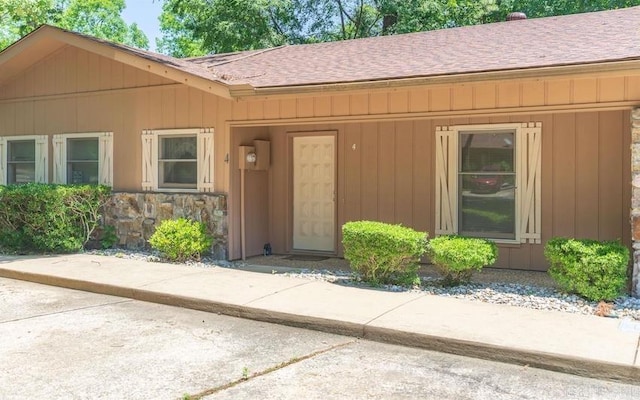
(383, 253)
(456, 257)
(49, 218)
(108, 237)
(592, 269)
(181, 239)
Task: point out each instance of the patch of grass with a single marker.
(494, 217)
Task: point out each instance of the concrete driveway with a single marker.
(65, 344)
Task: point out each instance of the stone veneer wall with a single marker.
(136, 215)
(635, 199)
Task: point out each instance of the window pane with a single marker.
(488, 214)
(82, 149)
(21, 150)
(82, 172)
(486, 151)
(178, 174)
(21, 173)
(21, 166)
(487, 185)
(178, 148)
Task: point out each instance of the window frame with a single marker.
(461, 173)
(527, 166)
(41, 161)
(105, 156)
(151, 161)
(161, 161)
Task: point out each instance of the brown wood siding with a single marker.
(385, 139)
(76, 91)
(257, 195)
(72, 70)
(388, 175)
(484, 96)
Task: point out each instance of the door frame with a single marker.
(290, 189)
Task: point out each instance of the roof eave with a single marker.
(524, 73)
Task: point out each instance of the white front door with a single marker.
(314, 173)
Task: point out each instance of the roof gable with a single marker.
(46, 40)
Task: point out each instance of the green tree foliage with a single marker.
(99, 18)
(19, 17)
(196, 27)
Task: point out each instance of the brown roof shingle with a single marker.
(544, 42)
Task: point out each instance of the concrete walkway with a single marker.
(584, 345)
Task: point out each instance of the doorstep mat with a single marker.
(301, 257)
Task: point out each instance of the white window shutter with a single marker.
(3, 161)
(529, 145)
(446, 181)
(205, 160)
(149, 173)
(42, 159)
(105, 159)
(59, 159)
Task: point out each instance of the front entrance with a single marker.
(314, 174)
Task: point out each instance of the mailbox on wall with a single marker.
(256, 157)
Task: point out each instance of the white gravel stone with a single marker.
(513, 294)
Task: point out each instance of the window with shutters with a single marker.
(177, 160)
(23, 159)
(488, 181)
(83, 158)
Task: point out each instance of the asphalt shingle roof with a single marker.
(543, 42)
(577, 39)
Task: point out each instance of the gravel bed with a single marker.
(514, 294)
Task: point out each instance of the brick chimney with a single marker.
(515, 16)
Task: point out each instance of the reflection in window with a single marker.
(178, 164)
(487, 184)
(21, 161)
(82, 161)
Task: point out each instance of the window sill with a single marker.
(507, 243)
(167, 190)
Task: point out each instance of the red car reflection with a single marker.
(486, 183)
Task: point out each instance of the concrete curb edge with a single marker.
(553, 362)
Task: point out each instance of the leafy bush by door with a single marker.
(383, 253)
(456, 257)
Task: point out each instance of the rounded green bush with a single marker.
(383, 253)
(594, 270)
(37, 217)
(456, 257)
(181, 239)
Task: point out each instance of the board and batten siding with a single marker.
(386, 172)
(462, 99)
(386, 166)
(385, 140)
(73, 90)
